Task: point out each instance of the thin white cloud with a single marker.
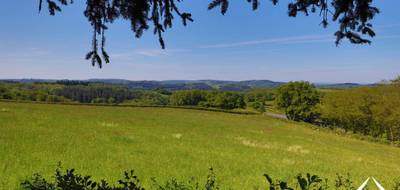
(152, 52)
(287, 40)
(148, 53)
(330, 39)
(283, 40)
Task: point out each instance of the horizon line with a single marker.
(193, 80)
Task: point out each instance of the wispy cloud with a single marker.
(148, 53)
(288, 40)
(152, 52)
(283, 40)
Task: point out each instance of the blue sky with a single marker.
(242, 45)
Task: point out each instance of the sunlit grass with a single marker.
(181, 143)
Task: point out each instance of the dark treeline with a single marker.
(100, 93)
(372, 111)
(73, 82)
(224, 100)
(31, 92)
(97, 93)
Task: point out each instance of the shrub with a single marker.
(299, 100)
(187, 97)
(259, 106)
(260, 95)
(373, 111)
(344, 183)
(174, 184)
(228, 100)
(98, 101)
(397, 185)
(204, 104)
(217, 99)
(72, 181)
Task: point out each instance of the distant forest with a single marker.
(173, 85)
(369, 110)
(143, 93)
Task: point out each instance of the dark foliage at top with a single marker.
(141, 14)
(353, 16)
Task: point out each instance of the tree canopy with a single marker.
(353, 16)
(299, 100)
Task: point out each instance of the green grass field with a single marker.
(181, 143)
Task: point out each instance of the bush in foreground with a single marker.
(73, 181)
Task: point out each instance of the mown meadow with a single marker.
(165, 142)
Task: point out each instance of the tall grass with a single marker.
(104, 141)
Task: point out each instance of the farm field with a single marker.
(166, 142)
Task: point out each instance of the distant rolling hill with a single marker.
(193, 84)
(341, 85)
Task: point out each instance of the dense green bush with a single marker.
(259, 95)
(97, 93)
(30, 92)
(149, 98)
(73, 181)
(216, 99)
(257, 98)
(373, 111)
(188, 97)
(397, 185)
(228, 100)
(308, 182)
(299, 100)
(174, 184)
(77, 91)
(259, 106)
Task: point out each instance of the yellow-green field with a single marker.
(180, 143)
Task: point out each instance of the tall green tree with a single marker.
(229, 100)
(370, 110)
(299, 100)
(188, 97)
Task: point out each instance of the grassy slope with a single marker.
(164, 142)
